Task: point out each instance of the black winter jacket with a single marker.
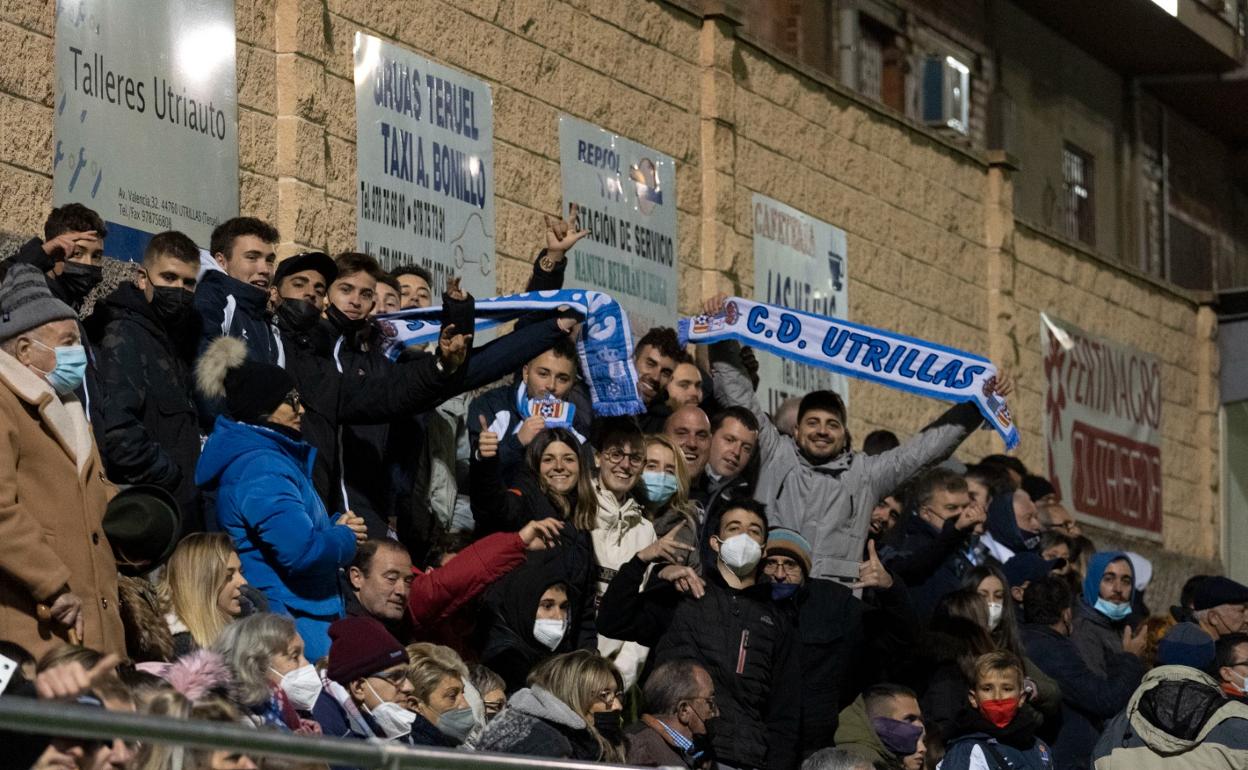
(332, 399)
(742, 639)
(845, 644)
(373, 448)
(226, 305)
(508, 646)
(149, 422)
(930, 562)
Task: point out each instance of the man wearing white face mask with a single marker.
(728, 624)
(60, 575)
(372, 667)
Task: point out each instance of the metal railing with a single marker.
(74, 721)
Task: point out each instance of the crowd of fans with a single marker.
(220, 499)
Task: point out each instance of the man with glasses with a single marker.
(1230, 665)
(148, 423)
(676, 729)
(1054, 516)
(843, 642)
(940, 541)
(370, 668)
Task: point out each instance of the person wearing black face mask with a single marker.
(148, 419)
(843, 641)
(298, 296)
(680, 720)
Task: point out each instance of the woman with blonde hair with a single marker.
(201, 590)
(665, 486)
(161, 756)
(570, 710)
(437, 675)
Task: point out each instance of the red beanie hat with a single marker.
(360, 647)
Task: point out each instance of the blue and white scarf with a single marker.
(905, 363)
(605, 344)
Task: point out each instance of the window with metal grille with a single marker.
(1077, 181)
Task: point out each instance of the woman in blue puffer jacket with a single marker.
(261, 472)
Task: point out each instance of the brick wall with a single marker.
(933, 246)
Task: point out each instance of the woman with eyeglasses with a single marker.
(620, 527)
(570, 710)
(261, 471)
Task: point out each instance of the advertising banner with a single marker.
(425, 162)
(146, 117)
(799, 263)
(1102, 414)
(626, 193)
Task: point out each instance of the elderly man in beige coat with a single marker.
(59, 578)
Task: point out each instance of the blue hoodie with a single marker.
(1003, 526)
(289, 547)
(1096, 570)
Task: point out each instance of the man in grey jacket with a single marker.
(814, 482)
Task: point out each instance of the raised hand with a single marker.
(66, 243)
(715, 305)
(871, 573)
(562, 235)
(1005, 383)
(70, 679)
(684, 579)
(667, 548)
(453, 290)
(530, 428)
(540, 535)
(487, 440)
(452, 347)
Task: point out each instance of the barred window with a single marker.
(1077, 179)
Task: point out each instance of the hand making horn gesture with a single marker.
(562, 234)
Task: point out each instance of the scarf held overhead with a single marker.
(605, 344)
(859, 351)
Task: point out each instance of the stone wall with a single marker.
(934, 248)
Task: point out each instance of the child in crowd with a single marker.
(998, 731)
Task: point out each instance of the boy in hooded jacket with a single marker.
(999, 729)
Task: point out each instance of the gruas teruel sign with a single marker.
(1103, 429)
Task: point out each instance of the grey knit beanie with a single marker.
(27, 303)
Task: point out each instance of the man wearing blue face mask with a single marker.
(841, 639)
(60, 575)
(1100, 623)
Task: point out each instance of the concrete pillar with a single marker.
(300, 126)
(717, 126)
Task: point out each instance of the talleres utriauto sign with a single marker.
(1103, 429)
(146, 116)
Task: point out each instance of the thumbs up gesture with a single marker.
(871, 573)
(487, 442)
